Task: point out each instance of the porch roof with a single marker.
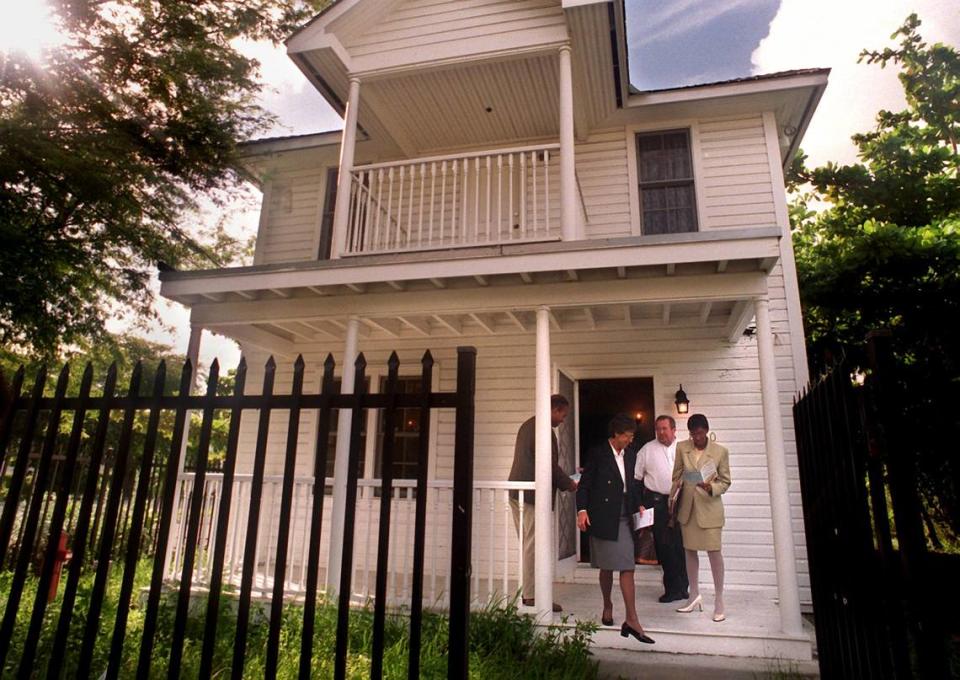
(702, 279)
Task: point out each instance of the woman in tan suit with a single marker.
(702, 473)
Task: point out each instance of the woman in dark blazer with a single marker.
(607, 497)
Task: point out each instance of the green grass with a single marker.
(503, 642)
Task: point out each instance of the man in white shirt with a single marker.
(655, 469)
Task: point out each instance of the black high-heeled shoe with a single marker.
(626, 631)
(607, 621)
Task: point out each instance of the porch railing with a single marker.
(495, 555)
(483, 198)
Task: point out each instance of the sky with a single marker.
(672, 42)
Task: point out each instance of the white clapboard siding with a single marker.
(736, 186)
(455, 25)
(722, 380)
(601, 164)
(292, 206)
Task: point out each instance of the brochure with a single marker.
(644, 520)
(706, 473)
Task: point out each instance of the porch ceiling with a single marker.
(485, 103)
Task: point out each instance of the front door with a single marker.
(566, 514)
(600, 400)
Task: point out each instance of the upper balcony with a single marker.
(483, 198)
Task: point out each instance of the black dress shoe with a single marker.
(529, 602)
(671, 597)
(626, 631)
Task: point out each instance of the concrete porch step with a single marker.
(752, 628)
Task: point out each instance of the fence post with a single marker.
(462, 538)
(896, 448)
(420, 523)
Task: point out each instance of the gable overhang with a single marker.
(501, 74)
(792, 97)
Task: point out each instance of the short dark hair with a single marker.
(558, 401)
(621, 423)
(673, 423)
(697, 420)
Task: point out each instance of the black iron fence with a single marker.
(870, 573)
(60, 478)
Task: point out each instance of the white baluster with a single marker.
(491, 520)
(376, 229)
(443, 199)
(510, 207)
(463, 201)
(546, 191)
(423, 184)
(400, 207)
(390, 228)
(533, 163)
(476, 203)
(370, 244)
(454, 204)
(523, 195)
(489, 182)
(408, 230)
(507, 519)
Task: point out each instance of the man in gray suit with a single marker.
(524, 455)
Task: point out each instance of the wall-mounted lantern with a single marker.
(683, 404)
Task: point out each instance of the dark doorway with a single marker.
(599, 401)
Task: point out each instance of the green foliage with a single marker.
(106, 146)
(886, 254)
(503, 644)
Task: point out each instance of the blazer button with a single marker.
(609, 482)
(606, 500)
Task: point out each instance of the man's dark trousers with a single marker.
(669, 545)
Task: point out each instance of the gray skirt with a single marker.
(614, 555)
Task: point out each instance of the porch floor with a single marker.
(752, 628)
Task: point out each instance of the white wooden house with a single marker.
(501, 185)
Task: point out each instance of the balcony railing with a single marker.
(484, 198)
(496, 547)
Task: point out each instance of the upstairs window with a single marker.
(665, 171)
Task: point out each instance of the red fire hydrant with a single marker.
(63, 556)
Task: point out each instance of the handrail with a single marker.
(374, 482)
(458, 156)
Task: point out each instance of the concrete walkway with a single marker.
(626, 664)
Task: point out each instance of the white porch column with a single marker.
(784, 554)
(193, 356)
(543, 485)
(569, 197)
(340, 468)
(348, 143)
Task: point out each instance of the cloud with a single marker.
(826, 33)
(299, 108)
(673, 19)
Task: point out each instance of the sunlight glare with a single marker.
(27, 27)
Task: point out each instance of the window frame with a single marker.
(633, 172)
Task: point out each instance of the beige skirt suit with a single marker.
(701, 514)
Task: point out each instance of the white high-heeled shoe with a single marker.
(695, 603)
(719, 616)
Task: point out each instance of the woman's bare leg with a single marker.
(606, 586)
(629, 590)
(693, 573)
(716, 568)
